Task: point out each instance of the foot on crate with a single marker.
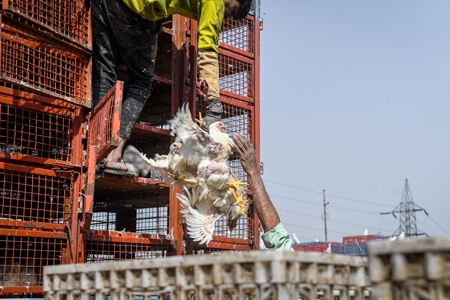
(132, 156)
(120, 168)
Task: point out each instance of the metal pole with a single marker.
(325, 215)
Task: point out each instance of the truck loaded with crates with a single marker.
(57, 207)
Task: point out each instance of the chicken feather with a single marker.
(200, 220)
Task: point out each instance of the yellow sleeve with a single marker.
(209, 24)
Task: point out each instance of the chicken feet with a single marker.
(190, 181)
(239, 201)
(234, 188)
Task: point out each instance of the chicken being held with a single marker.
(180, 171)
(172, 168)
(198, 161)
(207, 152)
(196, 158)
(201, 215)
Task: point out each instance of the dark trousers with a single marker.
(121, 37)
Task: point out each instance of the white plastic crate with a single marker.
(242, 275)
(410, 269)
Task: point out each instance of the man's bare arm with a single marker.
(264, 207)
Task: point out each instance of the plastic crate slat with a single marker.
(281, 275)
(69, 19)
(34, 195)
(104, 122)
(36, 132)
(39, 62)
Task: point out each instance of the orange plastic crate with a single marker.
(23, 255)
(69, 19)
(238, 35)
(41, 132)
(43, 64)
(113, 245)
(104, 122)
(35, 198)
(236, 75)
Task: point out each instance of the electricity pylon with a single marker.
(407, 215)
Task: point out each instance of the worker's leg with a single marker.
(136, 39)
(106, 58)
(137, 43)
(208, 66)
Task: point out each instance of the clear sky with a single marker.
(355, 97)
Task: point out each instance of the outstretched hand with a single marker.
(247, 153)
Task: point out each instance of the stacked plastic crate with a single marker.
(44, 86)
(126, 217)
(410, 269)
(137, 217)
(328, 247)
(356, 245)
(247, 275)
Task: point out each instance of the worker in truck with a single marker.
(275, 235)
(126, 31)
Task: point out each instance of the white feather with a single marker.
(200, 220)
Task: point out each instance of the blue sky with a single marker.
(354, 99)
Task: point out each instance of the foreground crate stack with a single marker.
(410, 269)
(44, 89)
(401, 270)
(244, 275)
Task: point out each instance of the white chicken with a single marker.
(198, 160)
(207, 152)
(171, 168)
(202, 217)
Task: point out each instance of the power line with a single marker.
(381, 215)
(439, 212)
(332, 195)
(331, 178)
(362, 201)
(354, 209)
(315, 203)
(358, 225)
(310, 228)
(437, 224)
(294, 199)
(297, 213)
(339, 222)
(287, 185)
